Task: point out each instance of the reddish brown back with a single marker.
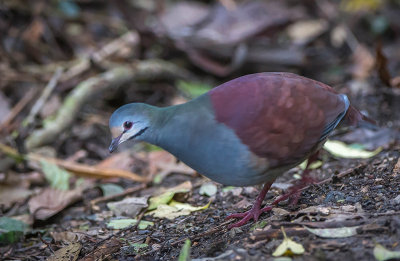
(279, 116)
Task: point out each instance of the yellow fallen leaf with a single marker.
(360, 5)
(382, 254)
(175, 209)
(128, 222)
(288, 247)
(315, 165)
(342, 150)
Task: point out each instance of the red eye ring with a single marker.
(127, 125)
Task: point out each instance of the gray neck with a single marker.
(171, 127)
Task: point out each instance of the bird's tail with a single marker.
(355, 118)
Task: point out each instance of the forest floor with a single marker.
(66, 66)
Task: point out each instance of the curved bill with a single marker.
(114, 144)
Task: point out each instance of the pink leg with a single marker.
(294, 191)
(254, 212)
(305, 180)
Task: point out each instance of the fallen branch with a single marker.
(83, 92)
(130, 39)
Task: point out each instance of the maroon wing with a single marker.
(279, 116)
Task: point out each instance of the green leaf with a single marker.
(157, 179)
(342, 150)
(227, 188)
(110, 189)
(193, 89)
(208, 189)
(334, 232)
(288, 247)
(128, 222)
(167, 196)
(11, 230)
(139, 246)
(382, 254)
(164, 198)
(184, 255)
(57, 177)
(259, 224)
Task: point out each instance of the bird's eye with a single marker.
(128, 125)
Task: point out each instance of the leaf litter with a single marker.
(204, 37)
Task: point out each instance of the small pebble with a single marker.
(334, 196)
(396, 200)
(155, 247)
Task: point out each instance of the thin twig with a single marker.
(17, 109)
(340, 175)
(44, 96)
(46, 243)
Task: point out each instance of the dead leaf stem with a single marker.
(76, 168)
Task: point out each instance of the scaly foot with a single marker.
(253, 213)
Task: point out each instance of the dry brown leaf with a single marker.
(243, 204)
(10, 195)
(395, 82)
(76, 168)
(364, 62)
(51, 201)
(304, 31)
(247, 20)
(157, 158)
(92, 171)
(166, 163)
(121, 160)
(104, 251)
(67, 253)
(203, 32)
(35, 30)
(381, 66)
(26, 218)
(66, 236)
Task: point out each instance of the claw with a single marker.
(254, 213)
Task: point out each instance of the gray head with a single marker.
(130, 121)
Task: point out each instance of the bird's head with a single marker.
(128, 122)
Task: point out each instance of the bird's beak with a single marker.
(114, 143)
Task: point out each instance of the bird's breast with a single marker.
(212, 148)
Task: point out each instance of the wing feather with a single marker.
(279, 116)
